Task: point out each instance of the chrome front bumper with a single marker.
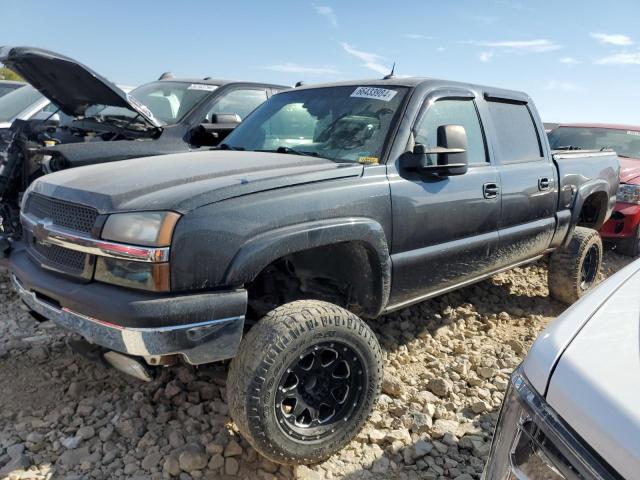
(198, 343)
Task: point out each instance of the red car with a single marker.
(623, 228)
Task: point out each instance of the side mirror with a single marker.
(212, 133)
(450, 154)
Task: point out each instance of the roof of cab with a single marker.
(413, 82)
(219, 82)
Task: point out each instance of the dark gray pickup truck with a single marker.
(327, 205)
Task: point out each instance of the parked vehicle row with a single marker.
(326, 206)
(78, 110)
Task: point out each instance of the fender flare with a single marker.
(258, 252)
(585, 191)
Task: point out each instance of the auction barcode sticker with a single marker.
(374, 92)
(202, 86)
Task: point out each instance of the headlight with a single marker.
(532, 442)
(628, 193)
(150, 229)
(142, 229)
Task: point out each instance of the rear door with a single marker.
(528, 179)
(444, 228)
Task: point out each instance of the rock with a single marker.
(421, 448)
(303, 472)
(171, 465)
(151, 460)
(268, 466)
(14, 451)
(464, 476)
(71, 442)
(233, 449)
(21, 462)
(216, 462)
(231, 466)
(212, 448)
(515, 345)
(105, 433)
(391, 386)
(172, 389)
(132, 428)
(377, 436)
(486, 372)
(421, 423)
(380, 465)
(85, 433)
(35, 437)
(480, 407)
(400, 435)
(442, 426)
(75, 457)
(440, 386)
(193, 458)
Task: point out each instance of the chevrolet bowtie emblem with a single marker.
(41, 232)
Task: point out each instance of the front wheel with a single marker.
(573, 270)
(304, 382)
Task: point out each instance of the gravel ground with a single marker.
(448, 360)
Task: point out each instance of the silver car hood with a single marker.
(587, 363)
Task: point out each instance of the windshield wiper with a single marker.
(568, 147)
(226, 146)
(292, 151)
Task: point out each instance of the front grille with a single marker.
(61, 213)
(63, 258)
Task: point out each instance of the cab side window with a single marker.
(518, 139)
(453, 112)
(241, 102)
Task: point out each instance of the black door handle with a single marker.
(490, 190)
(544, 183)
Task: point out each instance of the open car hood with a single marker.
(71, 86)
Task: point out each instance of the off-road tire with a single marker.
(630, 246)
(266, 352)
(566, 265)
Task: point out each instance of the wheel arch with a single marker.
(592, 206)
(344, 235)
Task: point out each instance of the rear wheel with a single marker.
(304, 382)
(630, 246)
(573, 270)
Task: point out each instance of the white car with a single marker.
(572, 410)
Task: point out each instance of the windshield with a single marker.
(346, 124)
(169, 102)
(14, 103)
(8, 87)
(624, 142)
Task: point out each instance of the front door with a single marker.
(444, 228)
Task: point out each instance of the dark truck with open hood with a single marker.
(98, 122)
(329, 205)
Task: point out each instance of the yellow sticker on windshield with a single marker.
(369, 160)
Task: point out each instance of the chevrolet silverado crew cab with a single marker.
(571, 409)
(326, 206)
(91, 120)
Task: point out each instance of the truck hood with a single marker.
(588, 365)
(70, 85)
(184, 181)
(629, 170)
